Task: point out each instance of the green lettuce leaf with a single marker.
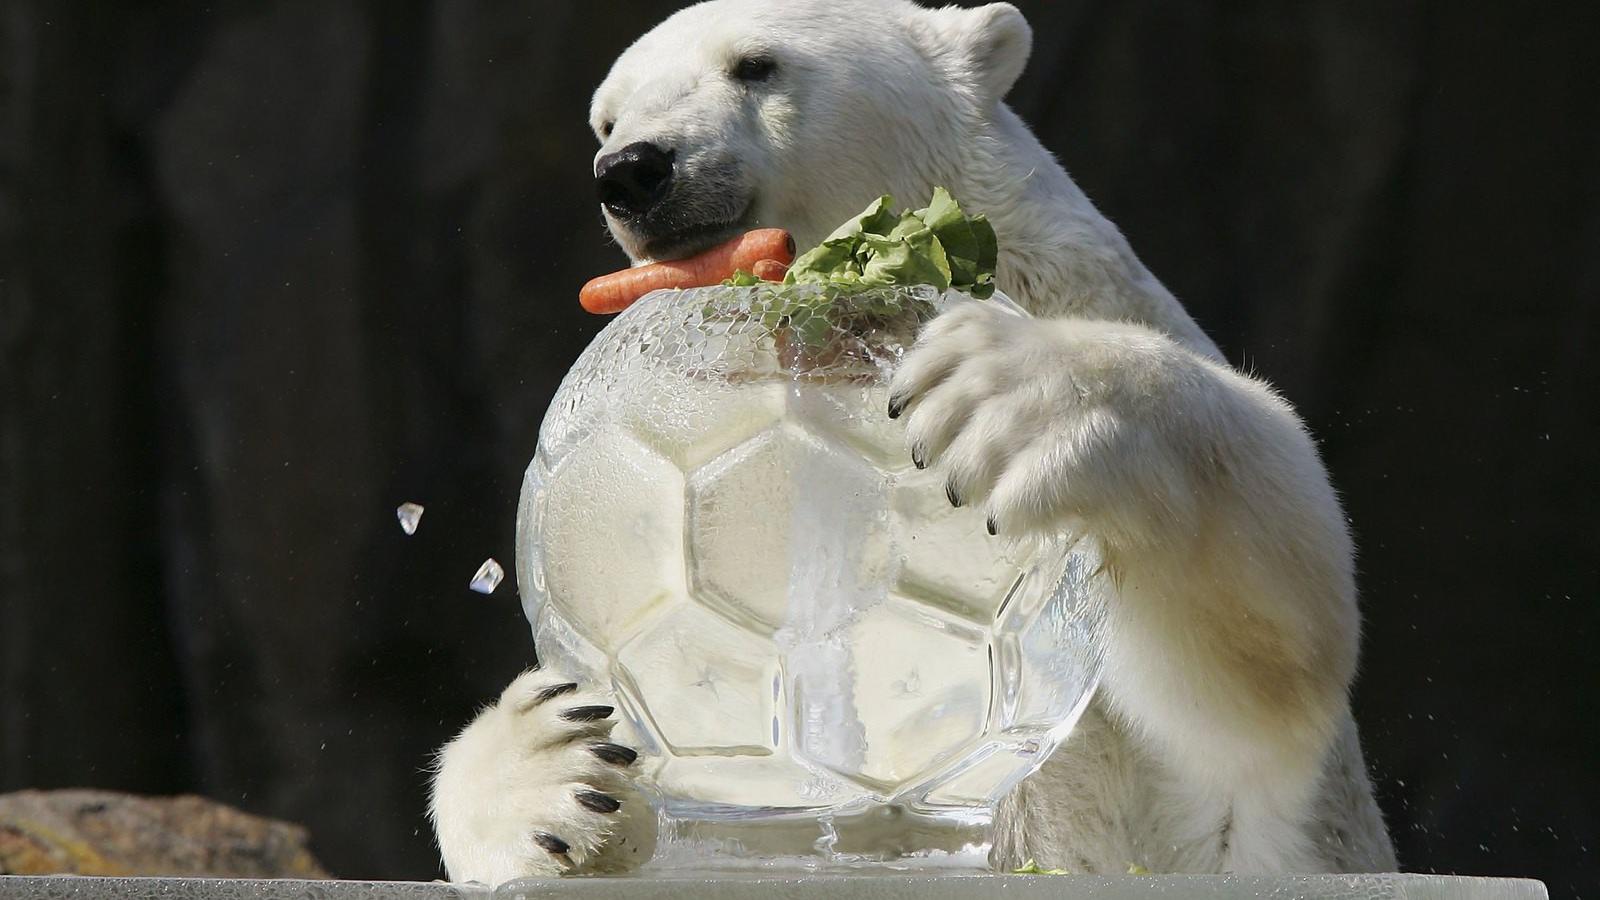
(938, 245)
(969, 243)
(1032, 868)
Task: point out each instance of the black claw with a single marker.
(993, 528)
(598, 802)
(897, 405)
(554, 691)
(919, 456)
(551, 843)
(951, 495)
(616, 754)
(587, 713)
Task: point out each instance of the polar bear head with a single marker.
(738, 113)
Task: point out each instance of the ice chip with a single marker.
(409, 515)
(488, 577)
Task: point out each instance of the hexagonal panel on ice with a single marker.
(948, 556)
(615, 487)
(783, 523)
(856, 412)
(691, 422)
(1050, 647)
(706, 686)
(920, 692)
(987, 775)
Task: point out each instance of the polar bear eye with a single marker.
(754, 68)
(605, 128)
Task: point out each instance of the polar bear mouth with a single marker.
(689, 240)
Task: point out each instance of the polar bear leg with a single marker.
(1231, 626)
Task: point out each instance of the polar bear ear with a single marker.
(986, 46)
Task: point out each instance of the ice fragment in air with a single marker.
(488, 577)
(409, 514)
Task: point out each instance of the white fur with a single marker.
(1221, 739)
(515, 772)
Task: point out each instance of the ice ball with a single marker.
(722, 524)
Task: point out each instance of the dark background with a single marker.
(269, 269)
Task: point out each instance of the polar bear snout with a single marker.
(668, 200)
(634, 179)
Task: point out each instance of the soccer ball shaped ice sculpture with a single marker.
(723, 525)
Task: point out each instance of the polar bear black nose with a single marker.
(634, 178)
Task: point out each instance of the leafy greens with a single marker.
(937, 245)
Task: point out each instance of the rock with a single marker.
(88, 832)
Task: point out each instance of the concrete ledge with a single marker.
(88, 887)
(1027, 887)
(814, 887)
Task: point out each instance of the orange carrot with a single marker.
(617, 291)
(769, 270)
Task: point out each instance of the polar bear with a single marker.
(1221, 739)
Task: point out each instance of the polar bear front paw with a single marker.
(535, 786)
(1049, 422)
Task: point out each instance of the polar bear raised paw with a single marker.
(534, 786)
(1042, 423)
